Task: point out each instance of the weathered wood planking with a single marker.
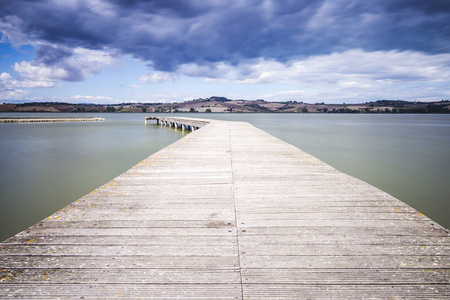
(48, 120)
(230, 212)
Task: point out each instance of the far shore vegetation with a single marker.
(224, 105)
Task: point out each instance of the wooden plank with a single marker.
(338, 249)
(356, 276)
(345, 261)
(190, 249)
(124, 275)
(118, 229)
(126, 291)
(107, 262)
(391, 224)
(338, 291)
(205, 226)
(131, 240)
(347, 228)
(348, 239)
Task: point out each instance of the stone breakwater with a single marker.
(47, 120)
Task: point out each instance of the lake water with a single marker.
(44, 167)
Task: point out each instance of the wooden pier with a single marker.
(48, 119)
(230, 212)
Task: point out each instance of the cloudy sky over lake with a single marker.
(110, 51)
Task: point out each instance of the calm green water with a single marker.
(44, 167)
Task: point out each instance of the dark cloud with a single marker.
(49, 55)
(167, 33)
(183, 9)
(428, 7)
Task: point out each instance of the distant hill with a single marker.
(224, 105)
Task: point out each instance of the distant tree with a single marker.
(325, 110)
(144, 109)
(304, 109)
(208, 110)
(110, 109)
(192, 110)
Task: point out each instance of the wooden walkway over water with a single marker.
(48, 119)
(230, 212)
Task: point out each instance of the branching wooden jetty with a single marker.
(230, 212)
(49, 120)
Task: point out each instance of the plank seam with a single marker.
(235, 214)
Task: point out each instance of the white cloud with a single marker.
(347, 68)
(83, 63)
(91, 61)
(8, 95)
(169, 97)
(353, 73)
(287, 95)
(39, 72)
(7, 82)
(93, 99)
(35, 74)
(157, 77)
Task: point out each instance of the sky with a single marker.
(332, 51)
